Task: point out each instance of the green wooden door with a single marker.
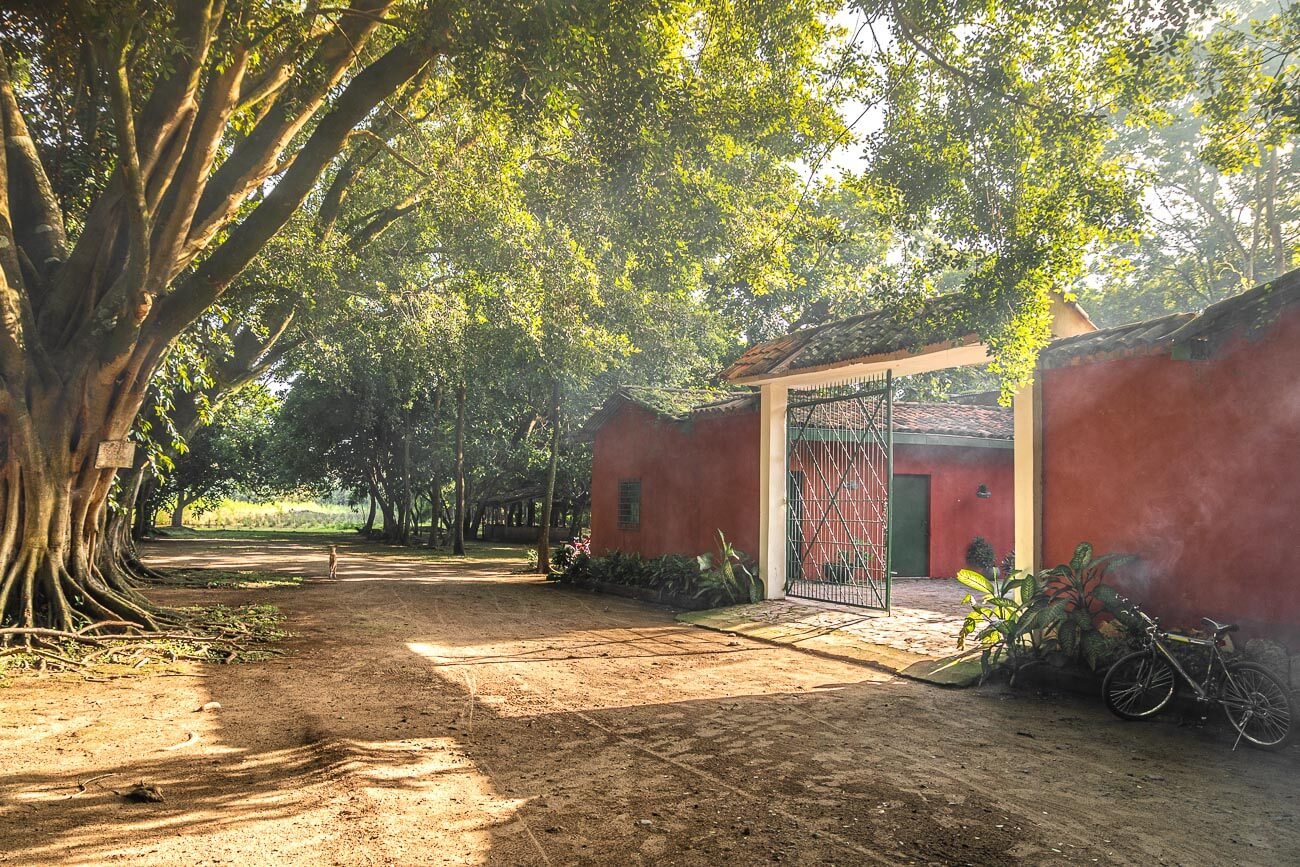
(910, 526)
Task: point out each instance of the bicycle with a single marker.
(1142, 683)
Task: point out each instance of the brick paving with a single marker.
(925, 617)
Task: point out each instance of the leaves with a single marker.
(976, 581)
(1067, 611)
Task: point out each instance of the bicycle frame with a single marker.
(1202, 691)
(1252, 697)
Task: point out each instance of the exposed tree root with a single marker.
(38, 583)
(217, 635)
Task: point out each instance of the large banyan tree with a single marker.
(153, 148)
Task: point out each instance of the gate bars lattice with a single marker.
(839, 464)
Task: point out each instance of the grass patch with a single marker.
(264, 535)
(228, 579)
(290, 515)
(475, 552)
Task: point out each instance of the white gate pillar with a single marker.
(1028, 476)
(772, 505)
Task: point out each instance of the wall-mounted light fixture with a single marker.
(983, 492)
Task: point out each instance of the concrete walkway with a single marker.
(917, 638)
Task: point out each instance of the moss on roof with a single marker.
(904, 327)
(674, 402)
(1249, 312)
(677, 404)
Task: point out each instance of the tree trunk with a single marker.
(126, 513)
(435, 510)
(548, 497)
(54, 499)
(369, 526)
(476, 523)
(389, 506)
(575, 523)
(435, 481)
(1281, 258)
(408, 512)
(178, 513)
(390, 518)
(142, 514)
(458, 525)
(447, 517)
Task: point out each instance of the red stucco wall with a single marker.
(701, 477)
(956, 515)
(1194, 466)
(695, 479)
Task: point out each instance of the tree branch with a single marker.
(370, 87)
(912, 38)
(197, 22)
(130, 285)
(393, 152)
(253, 159)
(39, 225)
(183, 195)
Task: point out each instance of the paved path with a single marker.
(435, 712)
(923, 621)
(916, 638)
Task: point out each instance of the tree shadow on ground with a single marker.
(433, 720)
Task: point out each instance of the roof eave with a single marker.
(967, 342)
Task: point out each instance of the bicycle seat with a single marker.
(1219, 628)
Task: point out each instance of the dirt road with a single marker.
(430, 712)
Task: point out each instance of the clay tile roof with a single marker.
(1253, 309)
(946, 419)
(676, 403)
(949, 419)
(940, 320)
(954, 419)
(1123, 339)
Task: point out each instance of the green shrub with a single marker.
(1065, 615)
(980, 554)
(562, 556)
(729, 578)
(996, 620)
(1076, 615)
(724, 578)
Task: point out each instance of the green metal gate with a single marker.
(839, 463)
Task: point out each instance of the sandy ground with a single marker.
(438, 713)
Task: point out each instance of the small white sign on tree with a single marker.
(115, 453)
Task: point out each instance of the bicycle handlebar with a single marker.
(1147, 618)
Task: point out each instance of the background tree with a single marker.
(1208, 133)
(224, 458)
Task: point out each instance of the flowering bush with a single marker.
(565, 554)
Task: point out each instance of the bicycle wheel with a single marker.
(1258, 705)
(1138, 685)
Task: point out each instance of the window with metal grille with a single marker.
(629, 504)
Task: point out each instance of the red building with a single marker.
(671, 468)
(1178, 439)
